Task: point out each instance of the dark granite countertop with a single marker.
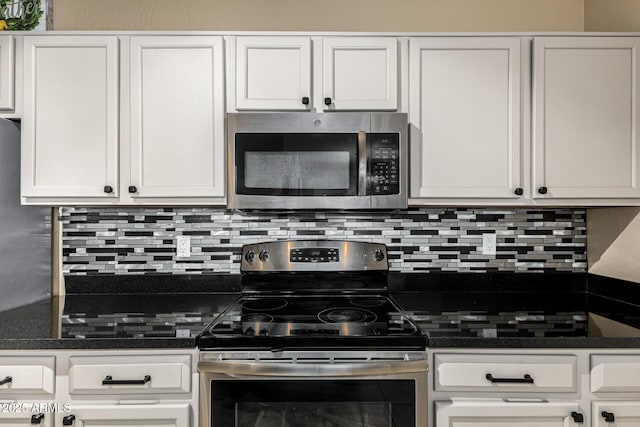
(118, 312)
(453, 310)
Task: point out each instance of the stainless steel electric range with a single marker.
(314, 339)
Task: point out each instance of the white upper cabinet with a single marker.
(7, 73)
(177, 117)
(464, 109)
(273, 73)
(349, 73)
(70, 123)
(360, 73)
(585, 117)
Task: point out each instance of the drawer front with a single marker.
(615, 373)
(513, 373)
(150, 415)
(26, 375)
(130, 374)
(24, 414)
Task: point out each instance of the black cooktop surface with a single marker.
(312, 321)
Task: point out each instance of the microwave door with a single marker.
(297, 164)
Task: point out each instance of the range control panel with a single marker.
(384, 160)
(314, 255)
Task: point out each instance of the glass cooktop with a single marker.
(279, 321)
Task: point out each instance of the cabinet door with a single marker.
(70, 125)
(177, 123)
(273, 73)
(465, 115)
(96, 415)
(618, 414)
(360, 73)
(492, 413)
(7, 73)
(585, 117)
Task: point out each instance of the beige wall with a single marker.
(612, 15)
(321, 15)
(613, 242)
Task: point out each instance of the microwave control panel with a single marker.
(384, 162)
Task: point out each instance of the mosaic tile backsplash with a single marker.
(143, 240)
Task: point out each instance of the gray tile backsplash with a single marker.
(143, 240)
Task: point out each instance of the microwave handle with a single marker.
(362, 163)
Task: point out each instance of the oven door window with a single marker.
(303, 403)
(297, 164)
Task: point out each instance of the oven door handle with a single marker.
(303, 369)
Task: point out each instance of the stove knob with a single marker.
(250, 256)
(378, 256)
(264, 256)
(249, 331)
(264, 332)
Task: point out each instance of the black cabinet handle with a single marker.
(527, 379)
(543, 190)
(108, 380)
(608, 416)
(68, 420)
(577, 417)
(519, 191)
(37, 418)
(327, 101)
(6, 380)
(133, 189)
(108, 189)
(305, 100)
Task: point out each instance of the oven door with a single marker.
(351, 394)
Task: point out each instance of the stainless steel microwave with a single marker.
(317, 160)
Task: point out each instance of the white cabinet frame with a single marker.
(7, 73)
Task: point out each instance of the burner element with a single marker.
(347, 315)
(264, 304)
(368, 302)
(257, 318)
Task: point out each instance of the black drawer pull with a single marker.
(527, 379)
(37, 418)
(577, 417)
(305, 100)
(6, 380)
(68, 420)
(108, 380)
(608, 416)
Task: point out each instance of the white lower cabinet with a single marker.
(615, 413)
(10, 418)
(492, 413)
(98, 388)
(97, 415)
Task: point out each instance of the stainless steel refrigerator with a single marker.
(25, 232)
